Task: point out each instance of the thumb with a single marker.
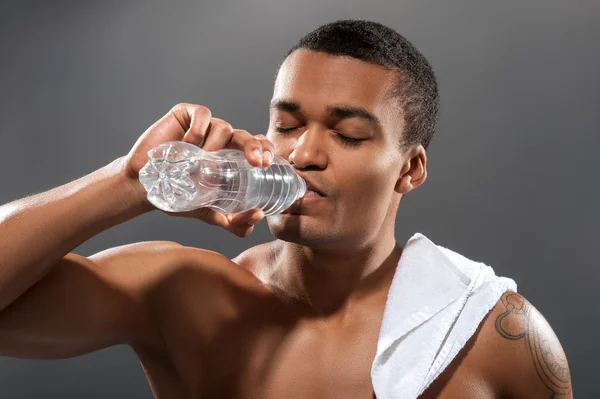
(240, 224)
(249, 217)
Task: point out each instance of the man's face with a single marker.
(318, 101)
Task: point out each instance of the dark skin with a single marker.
(297, 317)
(326, 252)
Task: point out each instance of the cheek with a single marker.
(365, 187)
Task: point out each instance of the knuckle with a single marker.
(179, 106)
(202, 112)
(225, 126)
(254, 142)
(269, 145)
(242, 132)
(264, 140)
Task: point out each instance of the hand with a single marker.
(194, 124)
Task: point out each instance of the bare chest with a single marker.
(237, 345)
(271, 361)
(264, 350)
(291, 361)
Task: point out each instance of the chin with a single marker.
(291, 229)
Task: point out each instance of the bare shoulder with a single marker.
(529, 359)
(174, 284)
(176, 275)
(239, 274)
(139, 267)
(160, 275)
(158, 261)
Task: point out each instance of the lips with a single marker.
(312, 194)
(301, 204)
(311, 185)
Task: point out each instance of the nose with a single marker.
(309, 149)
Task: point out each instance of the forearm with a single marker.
(36, 232)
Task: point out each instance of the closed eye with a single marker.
(285, 129)
(348, 141)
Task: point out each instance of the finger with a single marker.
(207, 215)
(174, 121)
(243, 231)
(241, 224)
(218, 135)
(249, 217)
(194, 119)
(234, 223)
(242, 140)
(268, 149)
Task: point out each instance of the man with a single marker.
(353, 110)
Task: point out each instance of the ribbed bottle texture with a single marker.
(181, 177)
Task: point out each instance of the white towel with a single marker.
(435, 304)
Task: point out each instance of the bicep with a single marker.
(85, 304)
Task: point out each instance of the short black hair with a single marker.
(371, 41)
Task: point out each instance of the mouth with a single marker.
(311, 186)
(310, 197)
(312, 194)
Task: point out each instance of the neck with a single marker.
(331, 281)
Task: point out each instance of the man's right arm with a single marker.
(84, 304)
(38, 231)
(54, 303)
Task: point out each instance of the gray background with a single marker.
(511, 168)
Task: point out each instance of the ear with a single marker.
(414, 170)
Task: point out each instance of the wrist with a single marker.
(136, 190)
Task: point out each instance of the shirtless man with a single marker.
(297, 317)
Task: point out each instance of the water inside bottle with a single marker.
(227, 186)
(242, 188)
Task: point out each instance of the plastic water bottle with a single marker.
(181, 177)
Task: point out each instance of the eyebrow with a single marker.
(338, 111)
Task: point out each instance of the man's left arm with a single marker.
(534, 364)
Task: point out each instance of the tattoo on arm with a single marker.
(546, 352)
